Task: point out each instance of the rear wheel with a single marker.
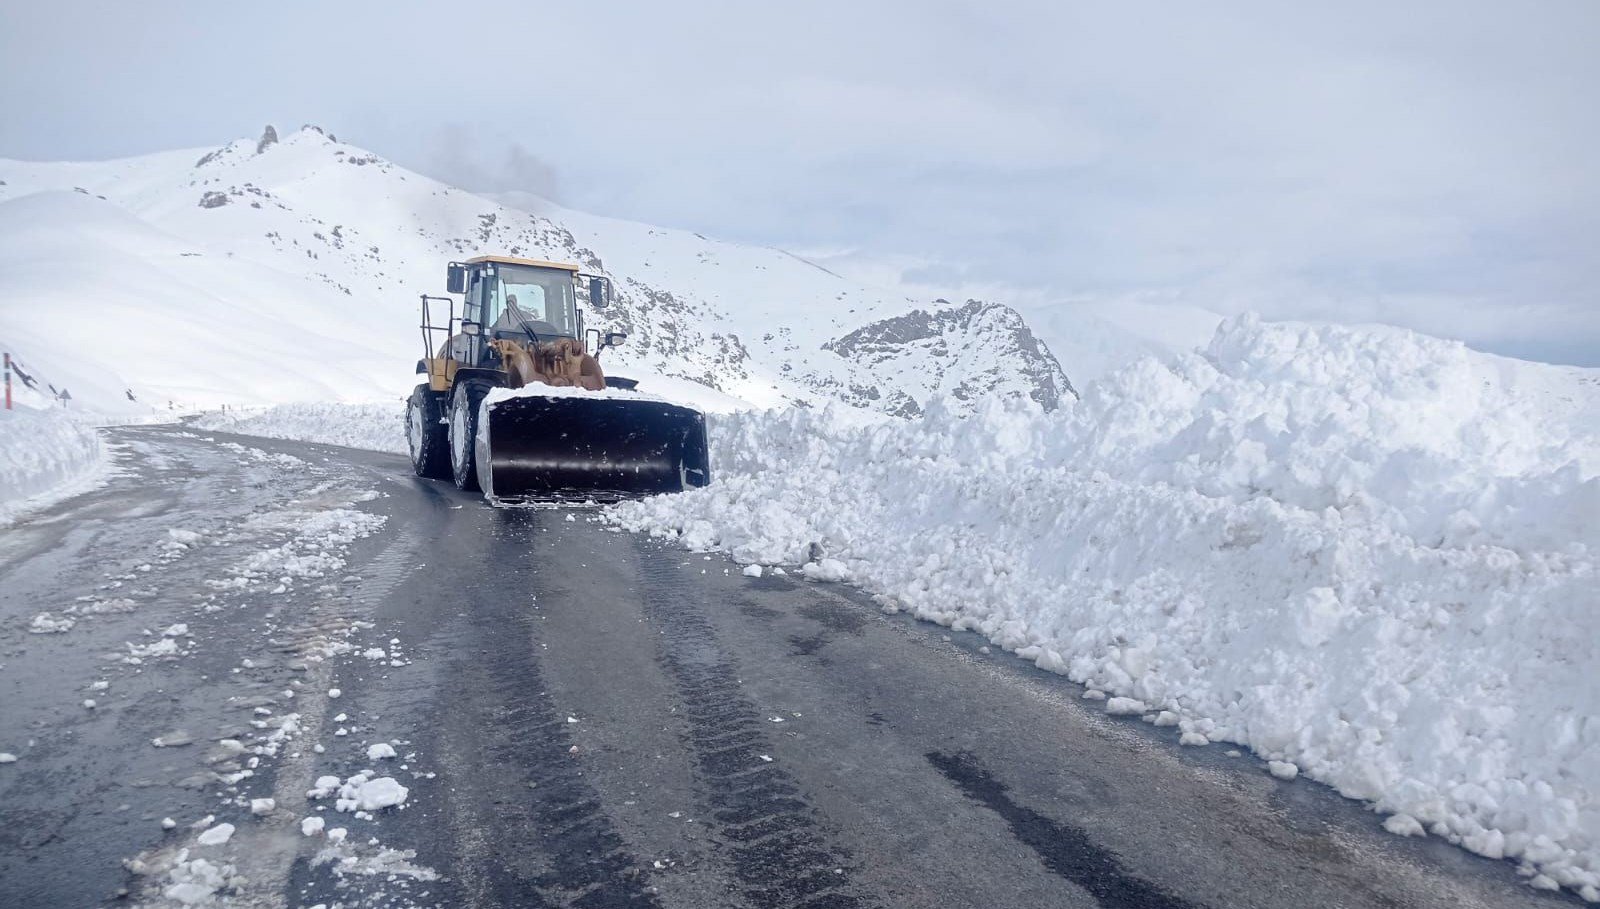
(426, 434)
(463, 433)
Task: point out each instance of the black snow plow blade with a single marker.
(537, 448)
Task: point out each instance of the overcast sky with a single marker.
(1431, 164)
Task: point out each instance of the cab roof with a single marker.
(508, 260)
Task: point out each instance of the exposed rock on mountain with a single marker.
(981, 347)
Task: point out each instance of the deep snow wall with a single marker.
(45, 456)
(1363, 552)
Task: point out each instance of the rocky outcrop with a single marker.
(269, 138)
(964, 352)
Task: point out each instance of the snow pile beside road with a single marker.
(1367, 554)
(375, 427)
(45, 456)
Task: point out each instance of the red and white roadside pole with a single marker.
(8, 381)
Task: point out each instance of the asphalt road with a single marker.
(581, 718)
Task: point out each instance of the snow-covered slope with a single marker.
(1367, 554)
(271, 271)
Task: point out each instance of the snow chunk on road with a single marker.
(751, 571)
(215, 836)
(311, 826)
(45, 623)
(826, 570)
(1283, 770)
(379, 751)
(194, 882)
(1403, 825)
(259, 807)
(7, 757)
(1125, 707)
(166, 648)
(362, 794)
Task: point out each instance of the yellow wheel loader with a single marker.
(516, 404)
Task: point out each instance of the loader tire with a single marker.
(427, 436)
(463, 433)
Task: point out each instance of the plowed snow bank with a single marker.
(45, 456)
(375, 427)
(1365, 553)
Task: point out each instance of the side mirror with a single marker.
(471, 328)
(455, 279)
(615, 338)
(597, 293)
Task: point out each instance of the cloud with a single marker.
(460, 156)
(1426, 163)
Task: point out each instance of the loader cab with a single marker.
(526, 300)
(510, 299)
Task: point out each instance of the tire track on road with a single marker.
(778, 848)
(530, 829)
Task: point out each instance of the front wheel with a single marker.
(426, 435)
(463, 434)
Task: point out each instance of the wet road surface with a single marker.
(581, 718)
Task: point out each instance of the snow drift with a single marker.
(1364, 553)
(45, 456)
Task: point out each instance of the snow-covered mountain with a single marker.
(280, 270)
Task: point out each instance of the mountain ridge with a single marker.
(329, 239)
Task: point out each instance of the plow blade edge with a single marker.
(574, 446)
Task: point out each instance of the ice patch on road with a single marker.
(355, 865)
(315, 546)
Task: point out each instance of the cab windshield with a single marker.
(541, 299)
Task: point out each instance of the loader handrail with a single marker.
(428, 326)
